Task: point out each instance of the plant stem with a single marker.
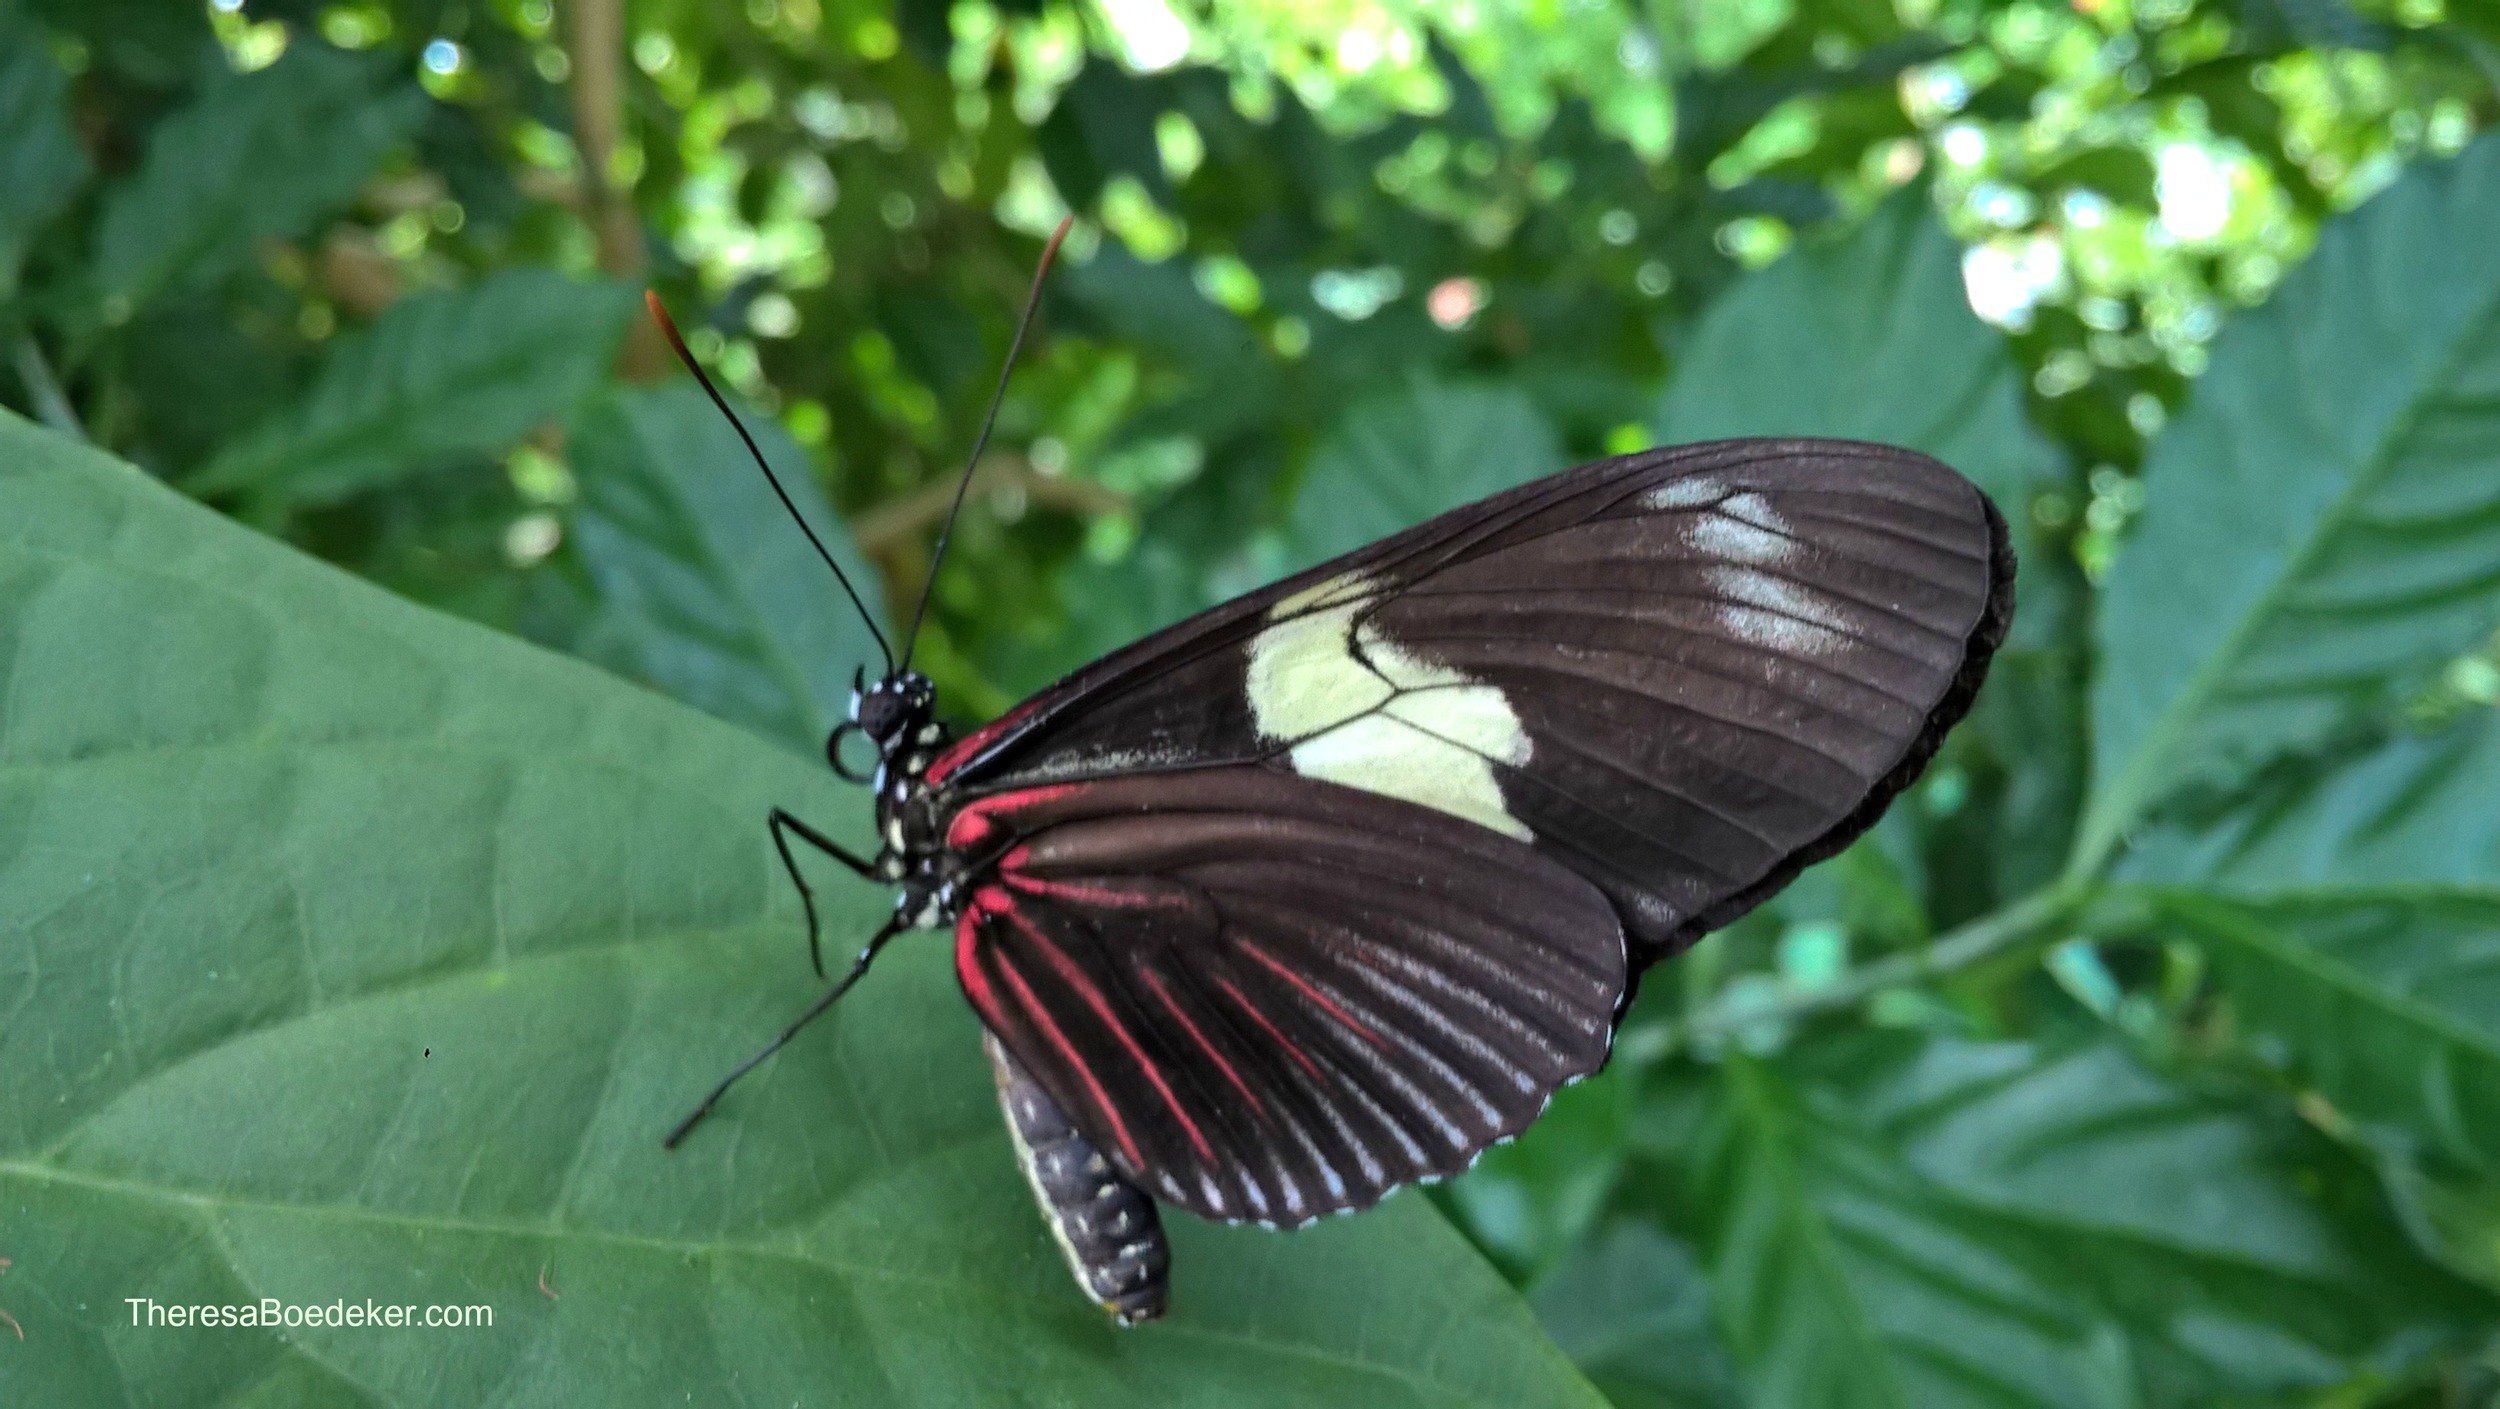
(43, 390)
(1951, 952)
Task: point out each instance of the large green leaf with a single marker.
(455, 372)
(355, 952)
(707, 590)
(1959, 1224)
(2323, 523)
(40, 162)
(1633, 1309)
(259, 156)
(1395, 460)
(2361, 934)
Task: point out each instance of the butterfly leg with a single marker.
(782, 825)
(859, 966)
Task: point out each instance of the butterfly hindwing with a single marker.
(1268, 997)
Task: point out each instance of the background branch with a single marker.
(894, 523)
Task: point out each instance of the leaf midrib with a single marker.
(299, 439)
(2115, 809)
(1044, 1307)
(2252, 934)
(1807, 1225)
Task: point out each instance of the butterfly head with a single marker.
(896, 713)
(893, 709)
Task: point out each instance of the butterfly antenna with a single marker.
(814, 1011)
(668, 329)
(1032, 304)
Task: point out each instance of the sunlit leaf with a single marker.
(2322, 524)
(258, 156)
(356, 952)
(707, 590)
(440, 375)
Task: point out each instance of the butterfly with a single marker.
(1326, 890)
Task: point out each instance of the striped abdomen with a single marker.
(1106, 1226)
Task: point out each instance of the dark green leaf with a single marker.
(2012, 1225)
(2322, 524)
(1398, 459)
(2362, 937)
(1633, 1311)
(259, 156)
(708, 591)
(355, 952)
(438, 376)
(40, 162)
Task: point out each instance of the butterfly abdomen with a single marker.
(1106, 1227)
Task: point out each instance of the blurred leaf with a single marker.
(1840, 1280)
(152, 42)
(1632, 1310)
(707, 591)
(2362, 937)
(439, 375)
(361, 953)
(2322, 524)
(2017, 1225)
(2120, 174)
(40, 162)
(1532, 1200)
(1102, 127)
(1870, 338)
(1395, 460)
(258, 156)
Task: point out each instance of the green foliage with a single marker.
(2344, 438)
(2142, 1056)
(40, 163)
(260, 156)
(360, 952)
(440, 376)
(705, 591)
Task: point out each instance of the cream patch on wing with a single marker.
(1386, 722)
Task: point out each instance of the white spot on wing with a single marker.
(1385, 721)
(1768, 609)
(1690, 492)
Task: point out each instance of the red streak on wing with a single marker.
(1067, 1052)
(1309, 992)
(1200, 1038)
(976, 984)
(975, 821)
(969, 747)
(1269, 1028)
(1076, 892)
(1075, 978)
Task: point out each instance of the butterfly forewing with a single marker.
(1320, 891)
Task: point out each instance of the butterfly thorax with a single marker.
(898, 715)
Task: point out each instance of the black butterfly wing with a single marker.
(1265, 997)
(1683, 675)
